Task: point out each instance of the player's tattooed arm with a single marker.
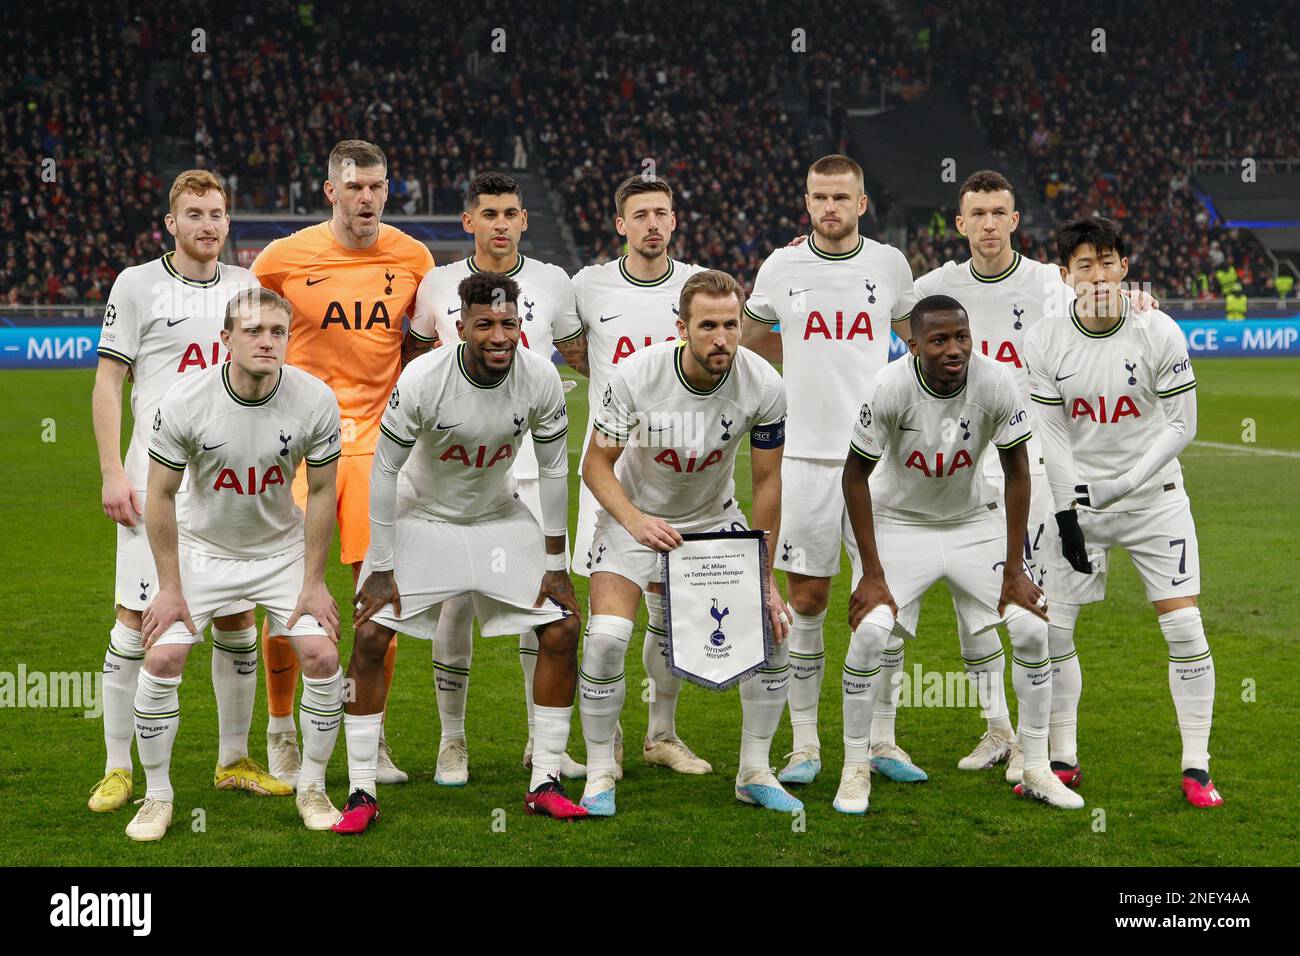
(871, 591)
(574, 353)
(1017, 588)
(759, 337)
(315, 598)
(168, 605)
(118, 497)
(379, 588)
(414, 346)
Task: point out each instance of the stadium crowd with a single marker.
(704, 89)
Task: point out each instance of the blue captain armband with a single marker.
(768, 436)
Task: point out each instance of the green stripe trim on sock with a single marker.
(982, 660)
(165, 716)
(1059, 660)
(1188, 660)
(599, 680)
(321, 713)
(1030, 664)
(232, 648)
(774, 670)
(656, 630)
(856, 673)
(451, 668)
(807, 657)
(527, 650)
(126, 657)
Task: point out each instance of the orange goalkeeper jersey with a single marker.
(347, 316)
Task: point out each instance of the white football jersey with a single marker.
(929, 445)
(1002, 309)
(680, 459)
(241, 457)
(1110, 385)
(466, 435)
(623, 315)
(163, 326)
(835, 313)
(547, 314)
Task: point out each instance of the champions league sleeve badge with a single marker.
(716, 608)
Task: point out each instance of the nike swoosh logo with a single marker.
(1043, 681)
(777, 687)
(249, 671)
(311, 282)
(1194, 677)
(661, 428)
(1062, 378)
(453, 311)
(794, 292)
(171, 322)
(1177, 581)
(443, 428)
(152, 736)
(855, 692)
(606, 318)
(213, 447)
(281, 670)
(804, 676)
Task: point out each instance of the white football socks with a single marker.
(157, 718)
(665, 687)
(1067, 684)
(762, 701)
(550, 737)
(320, 712)
(362, 734)
(528, 645)
(861, 683)
(602, 688)
(122, 662)
(885, 712)
(1031, 676)
(1191, 682)
(234, 681)
(986, 667)
(807, 645)
(453, 647)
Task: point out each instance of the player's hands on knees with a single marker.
(871, 592)
(777, 610)
(1073, 548)
(317, 601)
(167, 607)
(1020, 590)
(378, 589)
(655, 533)
(558, 586)
(120, 502)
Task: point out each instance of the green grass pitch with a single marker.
(58, 592)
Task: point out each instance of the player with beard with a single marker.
(163, 324)
(836, 297)
(496, 217)
(350, 280)
(627, 305)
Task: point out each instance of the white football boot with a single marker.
(1045, 786)
(283, 758)
(992, 749)
(453, 763)
(151, 821)
(315, 808)
(854, 794)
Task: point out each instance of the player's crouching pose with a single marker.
(660, 462)
(241, 429)
(1116, 401)
(446, 521)
(929, 514)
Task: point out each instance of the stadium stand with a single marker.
(715, 93)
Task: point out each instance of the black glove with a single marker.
(1072, 544)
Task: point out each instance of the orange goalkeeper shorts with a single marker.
(353, 488)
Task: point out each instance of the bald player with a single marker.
(350, 281)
